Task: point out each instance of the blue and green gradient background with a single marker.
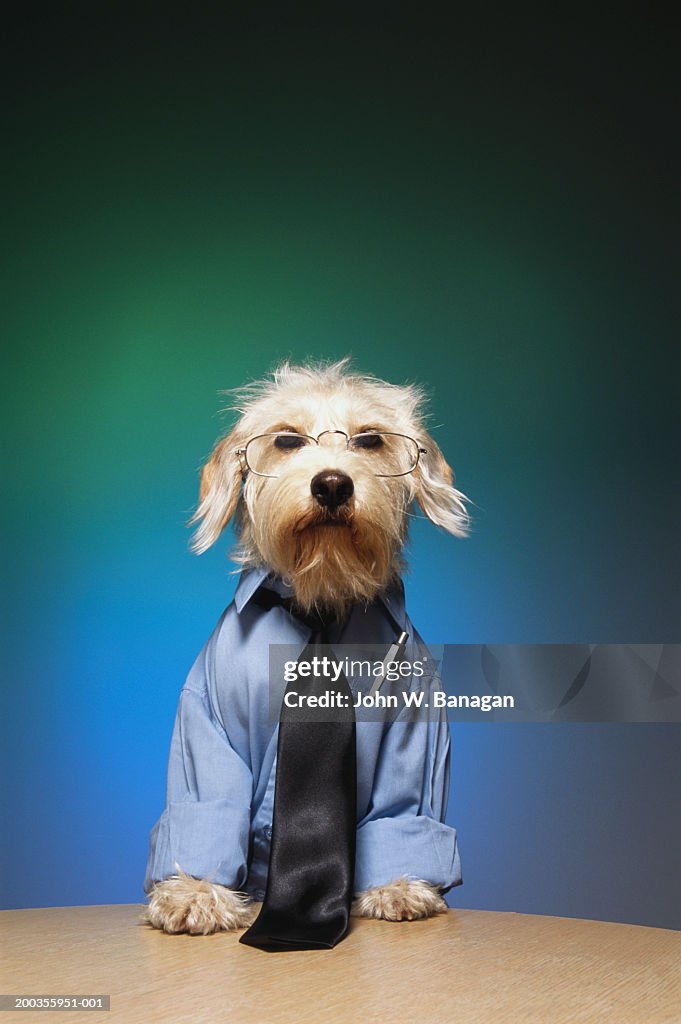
(487, 209)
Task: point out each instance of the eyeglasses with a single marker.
(386, 454)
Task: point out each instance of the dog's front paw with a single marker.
(405, 899)
(186, 904)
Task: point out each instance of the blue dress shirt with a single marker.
(221, 771)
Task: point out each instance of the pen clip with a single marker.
(395, 653)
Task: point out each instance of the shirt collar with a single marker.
(251, 579)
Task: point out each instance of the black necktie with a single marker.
(312, 856)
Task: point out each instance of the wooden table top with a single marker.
(463, 966)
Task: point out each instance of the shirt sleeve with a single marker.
(403, 832)
(205, 825)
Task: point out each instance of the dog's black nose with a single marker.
(331, 488)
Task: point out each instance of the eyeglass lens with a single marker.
(385, 453)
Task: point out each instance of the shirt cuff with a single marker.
(207, 839)
(416, 846)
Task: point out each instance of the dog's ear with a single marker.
(218, 493)
(436, 493)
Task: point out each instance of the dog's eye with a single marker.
(368, 441)
(288, 442)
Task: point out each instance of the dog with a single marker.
(319, 473)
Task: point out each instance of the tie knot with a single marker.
(317, 621)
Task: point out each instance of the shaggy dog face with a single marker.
(323, 512)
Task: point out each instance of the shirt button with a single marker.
(267, 832)
(259, 895)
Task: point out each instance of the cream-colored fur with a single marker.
(277, 520)
(405, 899)
(280, 524)
(186, 904)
